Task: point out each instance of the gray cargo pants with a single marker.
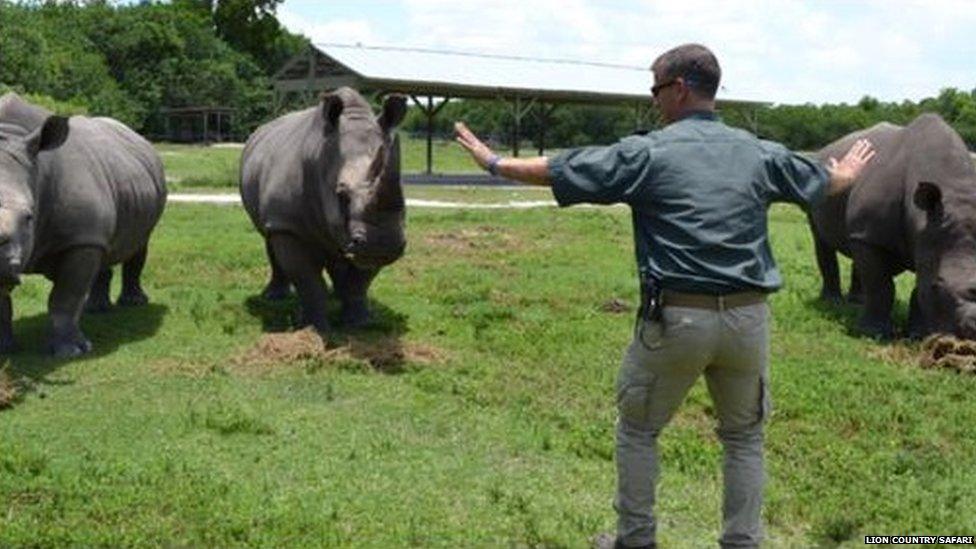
(731, 347)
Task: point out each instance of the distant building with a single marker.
(197, 124)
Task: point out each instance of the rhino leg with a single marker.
(73, 278)
(298, 262)
(98, 300)
(917, 328)
(278, 287)
(829, 271)
(7, 342)
(855, 294)
(132, 293)
(351, 285)
(874, 268)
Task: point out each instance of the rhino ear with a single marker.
(394, 109)
(332, 106)
(928, 196)
(51, 135)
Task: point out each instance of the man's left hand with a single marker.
(844, 172)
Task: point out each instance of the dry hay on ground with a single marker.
(943, 351)
(8, 391)
(481, 237)
(387, 353)
(615, 306)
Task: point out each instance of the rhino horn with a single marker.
(394, 109)
(51, 135)
(389, 193)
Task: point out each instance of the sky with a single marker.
(783, 51)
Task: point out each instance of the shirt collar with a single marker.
(699, 115)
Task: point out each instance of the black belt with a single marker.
(711, 302)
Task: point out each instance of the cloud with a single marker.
(777, 50)
(340, 31)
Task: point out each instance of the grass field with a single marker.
(486, 422)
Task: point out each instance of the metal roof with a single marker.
(458, 74)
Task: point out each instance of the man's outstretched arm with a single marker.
(534, 171)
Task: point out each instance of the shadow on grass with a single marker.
(107, 331)
(847, 314)
(377, 344)
(843, 313)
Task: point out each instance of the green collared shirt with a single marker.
(698, 191)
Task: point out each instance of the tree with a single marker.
(250, 26)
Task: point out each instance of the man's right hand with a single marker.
(476, 147)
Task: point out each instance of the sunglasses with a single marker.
(657, 88)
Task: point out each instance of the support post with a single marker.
(430, 131)
(430, 111)
(544, 115)
(518, 113)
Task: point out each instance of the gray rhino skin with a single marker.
(322, 185)
(913, 208)
(77, 195)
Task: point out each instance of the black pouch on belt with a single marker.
(651, 305)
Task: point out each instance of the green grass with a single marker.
(162, 438)
(478, 194)
(190, 166)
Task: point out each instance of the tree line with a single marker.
(130, 61)
(801, 127)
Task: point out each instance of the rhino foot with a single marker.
(71, 348)
(355, 316)
(274, 292)
(833, 298)
(877, 330)
(133, 299)
(98, 305)
(317, 321)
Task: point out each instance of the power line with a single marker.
(483, 55)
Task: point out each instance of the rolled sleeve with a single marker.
(795, 178)
(600, 175)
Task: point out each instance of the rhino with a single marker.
(913, 208)
(322, 186)
(77, 195)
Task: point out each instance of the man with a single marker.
(698, 192)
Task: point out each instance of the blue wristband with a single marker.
(493, 164)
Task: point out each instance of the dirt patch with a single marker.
(478, 238)
(615, 306)
(306, 346)
(286, 347)
(940, 351)
(8, 391)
